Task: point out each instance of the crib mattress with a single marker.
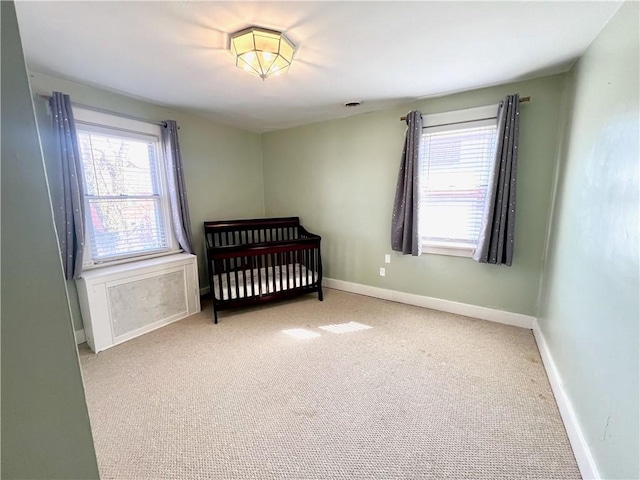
(298, 276)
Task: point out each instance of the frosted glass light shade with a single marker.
(262, 52)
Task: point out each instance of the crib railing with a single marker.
(242, 232)
(261, 271)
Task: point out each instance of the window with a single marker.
(456, 154)
(126, 208)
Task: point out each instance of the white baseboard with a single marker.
(585, 460)
(204, 290)
(484, 313)
(80, 337)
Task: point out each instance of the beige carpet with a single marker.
(421, 395)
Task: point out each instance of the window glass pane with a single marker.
(124, 209)
(118, 166)
(121, 227)
(455, 168)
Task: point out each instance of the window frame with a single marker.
(454, 120)
(92, 121)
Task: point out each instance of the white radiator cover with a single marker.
(124, 301)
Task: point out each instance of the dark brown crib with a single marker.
(259, 260)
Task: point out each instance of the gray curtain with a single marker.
(495, 244)
(405, 237)
(177, 191)
(69, 211)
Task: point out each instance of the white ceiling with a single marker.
(382, 53)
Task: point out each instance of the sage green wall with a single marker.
(222, 165)
(590, 314)
(45, 423)
(340, 176)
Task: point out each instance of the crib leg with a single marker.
(215, 315)
(320, 296)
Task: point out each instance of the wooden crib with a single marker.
(254, 261)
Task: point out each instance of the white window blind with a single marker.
(455, 165)
(123, 194)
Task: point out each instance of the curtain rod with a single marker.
(523, 99)
(109, 112)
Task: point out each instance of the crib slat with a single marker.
(313, 265)
(303, 266)
(243, 272)
(235, 271)
(259, 267)
(273, 273)
(299, 254)
(275, 276)
(219, 275)
(306, 261)
(267, 264)
(226, 269)
(253, 285)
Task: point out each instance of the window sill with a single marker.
(452, 250)
(140, 267)
(96, 266)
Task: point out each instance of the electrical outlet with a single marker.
(387, 258)
(382, 272)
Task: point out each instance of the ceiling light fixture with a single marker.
(262, 52)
